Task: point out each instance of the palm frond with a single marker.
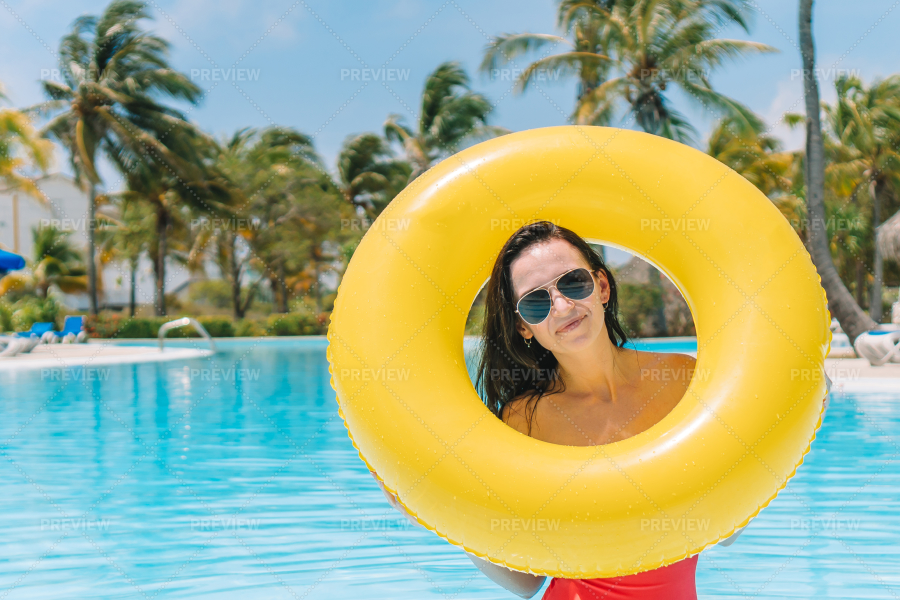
(507, 47)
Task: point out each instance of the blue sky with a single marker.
(294, 61)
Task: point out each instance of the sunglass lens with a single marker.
(535, 307)
(576, 285)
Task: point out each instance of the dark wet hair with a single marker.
(507, 368)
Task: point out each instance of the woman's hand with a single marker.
(730, 540)
(521, 584)
(392, 500)
(524, 585)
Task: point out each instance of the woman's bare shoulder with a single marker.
(677, 371)
(684, 365)
(665, 368)
(648, 360)
(515, 413)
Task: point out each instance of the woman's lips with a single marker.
(571, 325)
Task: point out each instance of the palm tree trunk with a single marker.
(875, 299)
(276, 293)
(860, 282)
(132, 301)
(851, 317)
(279, 290)
(316, 260)
(235, 278)
(585, 87)
(92, 248)
(162, 226)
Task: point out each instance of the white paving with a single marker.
(74, 355)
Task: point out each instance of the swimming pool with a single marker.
(233, 477)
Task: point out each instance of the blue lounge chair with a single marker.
(73, 325)
(38, 329)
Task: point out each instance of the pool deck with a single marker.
(857, 375)
(50, 356)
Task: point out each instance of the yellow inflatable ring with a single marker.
(737, 436)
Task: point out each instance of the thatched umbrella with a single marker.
(887, 236)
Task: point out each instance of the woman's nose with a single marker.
(560, 303)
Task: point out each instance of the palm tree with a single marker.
(57, 262)
(865, 125)
(660, 45)
(114, 74)
(262, 166)
(21, 147)
(586, 55)
(651, 44)
(755, 156)
(126, 239)
(176, 193)
(319, 213)
(450, 116)
(848, 313)
(369, 174)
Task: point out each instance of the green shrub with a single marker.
(214, 292)
(249, 328)
(637, 305)
(475, 320)
(98, 326)
(118, 327)
(114, 326)
(31, 310)
(6, 311)
(137, 328)
(217, 326)
(294, 324)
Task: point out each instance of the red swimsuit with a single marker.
(671, 582)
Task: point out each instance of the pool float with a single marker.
(720, 456)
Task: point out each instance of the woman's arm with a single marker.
(522, 584)
(392, 500)
(730, 540)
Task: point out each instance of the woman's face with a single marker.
(572, 324)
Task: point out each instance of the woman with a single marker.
(553, 366)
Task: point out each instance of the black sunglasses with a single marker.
(534, 306)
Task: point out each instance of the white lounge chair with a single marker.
(10, 348)
(14, 345)
(879, 347)
(30, 344)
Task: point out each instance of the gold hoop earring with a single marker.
(528, 342)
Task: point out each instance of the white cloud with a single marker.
(788, 99)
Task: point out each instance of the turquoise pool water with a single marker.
(233, 477)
